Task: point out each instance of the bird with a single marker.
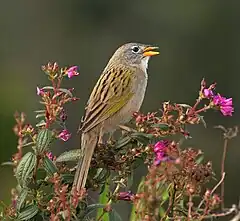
(118, 93)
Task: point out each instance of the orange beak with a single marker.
(149, 51)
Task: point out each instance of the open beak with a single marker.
(150, 51)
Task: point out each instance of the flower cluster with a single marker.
(224, 104)
(54, 98)
(216, 100)
(52, 119)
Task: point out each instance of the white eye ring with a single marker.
(135, 49)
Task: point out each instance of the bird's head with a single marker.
(134, 54)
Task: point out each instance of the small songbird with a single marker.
(118, 93)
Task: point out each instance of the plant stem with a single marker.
(223, 171)
(169, 211)
(190, 205)
(108, 205)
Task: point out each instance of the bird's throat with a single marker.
(144, 63)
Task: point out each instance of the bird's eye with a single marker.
(135, 49)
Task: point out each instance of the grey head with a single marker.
(133, 54)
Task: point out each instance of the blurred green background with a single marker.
(196, 38)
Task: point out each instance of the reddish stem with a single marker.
(202, 109)
(192, 110)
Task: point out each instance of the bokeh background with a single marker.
(196, 38)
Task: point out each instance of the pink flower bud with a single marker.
(64, 135)
(208, 93)
(72, 71)
(40, 91)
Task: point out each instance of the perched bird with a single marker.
(118, 93)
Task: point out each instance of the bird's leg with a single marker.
(110, 138)
(100, 137)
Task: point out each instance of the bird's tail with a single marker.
(88, 144)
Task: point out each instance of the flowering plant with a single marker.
(173, 188)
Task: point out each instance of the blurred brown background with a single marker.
(196, 38)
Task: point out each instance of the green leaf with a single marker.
(21, 198)
(101, 175)
(202, 120)
(48, 88)
(43, 140)
(103, 199)
(123, 141)
(139, 134)
(161, 126)
(40, 115)
(41, 123)
(9, 163)
(28, 212)
(114, 216)
(200, 159)
(49, 166)
(90, 209)
(161, 212)
(72, 155)
(130, 179)
(140, 137)
(67, 177)
(40, 111)
(28, 144)
(165, 195)
(66, 91)
(24, 171)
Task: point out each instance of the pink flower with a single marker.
(160, 151)
(64, 135)
(72, 71)
(40, 91)
(126, 196)
(208, 93)
(225, 104)
(50, 155)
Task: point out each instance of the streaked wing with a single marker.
(110, 94)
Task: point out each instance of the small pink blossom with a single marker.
(208, 93)
(160, 151)
(40, 91)
(126, 196)
(225, 104)
(64, 135)
(72, 71)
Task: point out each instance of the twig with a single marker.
(213, 190)
(237, 216)
(219, 183)
(223, 214)
(228, 134)
(193, 109)
(223, 170)
(190, 204)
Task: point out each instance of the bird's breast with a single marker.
(139, 85)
